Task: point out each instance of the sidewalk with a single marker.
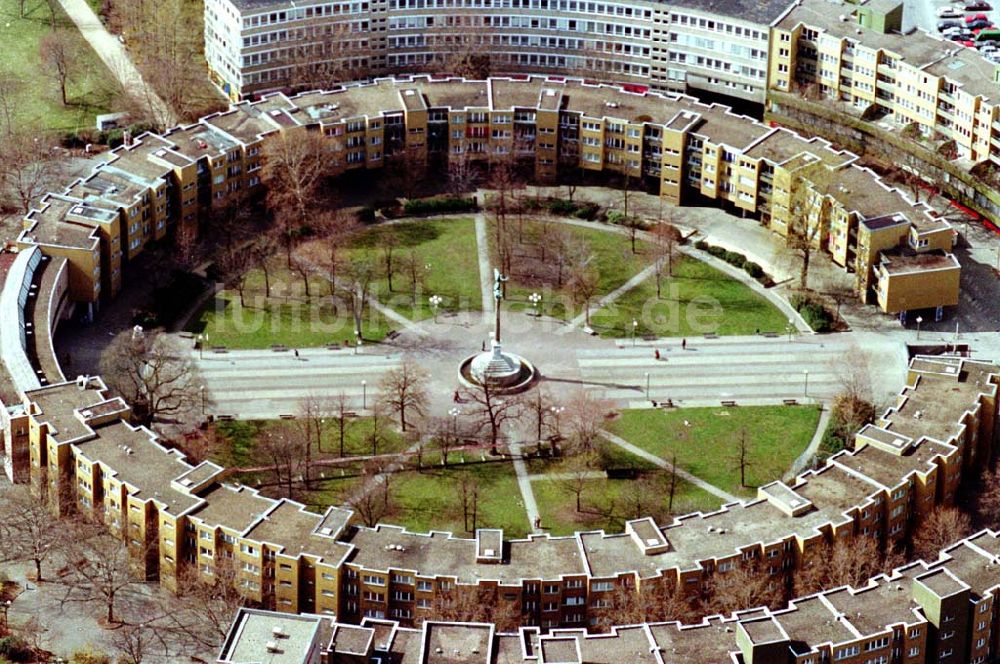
(117, 60)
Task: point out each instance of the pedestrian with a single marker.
(656, 353)
(484, 345)
(538, 523)
(758, 331)
(454, 397)
(296, 353)
(684, 344)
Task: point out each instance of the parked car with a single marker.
(949, 12)
(977, 6)
(970, 44)
(976, 17)
(978, 25)
(959, 36)
(944, 25)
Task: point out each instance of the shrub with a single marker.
(614, 216)
(366, 215)
(701, 244)
(90, 656)
(439, 205)
(816, 315)
(562, 207)
(587, 211)
(735, 258)
(753, 269)
(15, 649)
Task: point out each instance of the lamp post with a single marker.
(202, 340)
(805, 390)
(201, 392)
(435, 301)
(454, 412)
(635, 328)
(789, 328)
(364, 395)
(556, 412)
(920, 320)
(647, 384)
(535, 300)
(6, 608)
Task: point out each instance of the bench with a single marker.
(790, 402)
(350, 413)
(711, 336)
(333, 346)
(219, 349)
(771, 335)
(279, 348)
(729, 403)
(392, 334)
(286, 416)
(224, 418)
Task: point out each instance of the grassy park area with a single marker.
(34, 94)
(441, 253)
(707, 446)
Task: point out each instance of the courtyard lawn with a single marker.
(534, 269)
(443, 250)
(431, 499)
(238, 439)
(445, 256)
(707, 448)
(293, 322)
(697, 300)
(605, 504)
(36, 101)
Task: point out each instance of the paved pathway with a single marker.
(114, 55)
(807, 455)
(394, 466)
(524, 484)
(611, 297)
(683, 474)
(747, 369)
(485, 269)
(559, 477)
(255, 384)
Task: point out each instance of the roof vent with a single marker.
(917, 415)
(276, 631)
(611, 104)
(271, 646)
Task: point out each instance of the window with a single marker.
(246, 548)
(373, 580)
(425, 586)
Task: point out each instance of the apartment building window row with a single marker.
(302, 13)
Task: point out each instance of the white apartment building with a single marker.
(715, 46)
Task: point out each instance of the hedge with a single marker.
(439, 205)
(736, 259)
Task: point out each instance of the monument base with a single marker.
(504, 373)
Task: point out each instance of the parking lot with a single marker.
(924, 14)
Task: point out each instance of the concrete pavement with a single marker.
(262, 384)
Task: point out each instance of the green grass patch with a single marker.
(707, 448)
(697, 300)
(446, 259)
(607, 504)
(534, 268)
(36, 100)
(430, 500)
(294, 322)
(443, 250)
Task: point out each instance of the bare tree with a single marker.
(404, 389)
(31, 532)
(585, 418)
(468, 492)
(804, 234)
(339, 409)
(295, 162)
(57, 54)
(335, 231)
(847, 561)
(28, 167)
(209, 602)
(372, 503)
(283, 449)
(358, 276)
(576, 476)
(101, 572)
(584, 285)
(740, 457)
(941, 527)
(666, 240)
(234, 265)
(476, 603)
(491, 409)
(541, 411)
(853, 406)
(133, 642)
(157, 378)
(748, 584)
